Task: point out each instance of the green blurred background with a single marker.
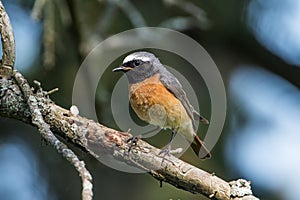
(254, 43)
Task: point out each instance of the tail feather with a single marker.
(199, 148)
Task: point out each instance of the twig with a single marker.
(44, 129)
(37, 9)
(46, 7)
(8, 59)
(52, 91)
(76, 29)
(49, 36)
(7, 38)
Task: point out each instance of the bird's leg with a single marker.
(134, 139)
(166, 150)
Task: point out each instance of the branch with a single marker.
(98, 140)
(44, 129)
(31, 102)
(7, 39)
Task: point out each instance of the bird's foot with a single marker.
(166, 151)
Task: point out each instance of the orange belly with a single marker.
(153, 103)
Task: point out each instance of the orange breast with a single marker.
(156, 105)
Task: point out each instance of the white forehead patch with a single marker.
(134, 57)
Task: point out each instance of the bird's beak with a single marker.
(122, 68)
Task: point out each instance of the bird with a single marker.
(158, 98)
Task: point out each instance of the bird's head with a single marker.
(139, 65)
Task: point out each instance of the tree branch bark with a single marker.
(98, 140)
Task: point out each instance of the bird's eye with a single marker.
(137, 63)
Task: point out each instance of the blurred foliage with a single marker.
(71, 28)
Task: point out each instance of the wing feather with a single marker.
(174, 86)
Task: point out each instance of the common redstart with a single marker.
(158, 98)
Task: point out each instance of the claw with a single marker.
(165, 152)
